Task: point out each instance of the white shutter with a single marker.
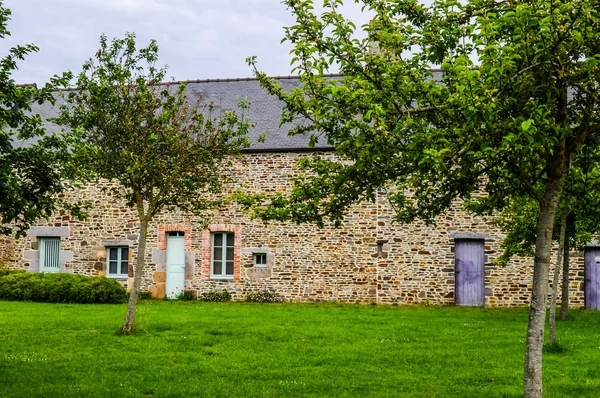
(50, 254)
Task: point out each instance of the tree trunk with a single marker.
(564, 305)
(559, 255)
(532, 378)
(137, 278)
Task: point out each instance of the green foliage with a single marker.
(60, 288)
(35, 166)
(264, 296)
(186, 295)
(215, 296)
(166, 150)
(7, 271)
(499, 106)
(145, 295)
(513, 104)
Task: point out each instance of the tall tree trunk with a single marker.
(532, 378)
(564, 305)
(137, 277)
(559, 256)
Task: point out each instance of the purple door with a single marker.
(592, 278)
(469, 272)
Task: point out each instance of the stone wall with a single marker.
(367, 259)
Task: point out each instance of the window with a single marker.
(117, 260)
(176, 233)
(260, 259)
(222, 255)
(50, 254)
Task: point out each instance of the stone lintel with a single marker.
(593, 243)
(61, 232)
(469, 235)
(252, 250)
(108, 243)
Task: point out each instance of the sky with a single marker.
(197, 39)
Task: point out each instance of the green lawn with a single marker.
(291, 350)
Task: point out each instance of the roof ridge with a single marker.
(243, 79)
(214, 80)
(220, 80)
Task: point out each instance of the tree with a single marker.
(515, 102)
(577, 222)
(34, 166)
(164, 152)
(519, 220)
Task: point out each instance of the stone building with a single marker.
(367, 259)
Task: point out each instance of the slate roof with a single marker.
(264, 111)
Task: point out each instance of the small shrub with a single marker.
(186, 295)
(264, 296)
(145, 295)
(61, 288)
(7, 271)
(215, 296)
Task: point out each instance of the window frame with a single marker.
(42, 258)
(224, 259)
(119, 261)
(256, 263)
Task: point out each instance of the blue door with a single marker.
(175, 264)
(469, 272)
(592, 278)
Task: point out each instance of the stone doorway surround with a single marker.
(159, 258)
(32, 257)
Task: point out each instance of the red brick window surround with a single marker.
(164, 228)
(207, 248)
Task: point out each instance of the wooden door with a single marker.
(592, 278)
(469, 272)
(175, 264)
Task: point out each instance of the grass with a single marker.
(293, 350)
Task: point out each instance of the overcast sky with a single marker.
(198, 39)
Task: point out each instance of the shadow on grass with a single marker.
(556, 348)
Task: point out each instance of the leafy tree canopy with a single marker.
(514, 102)
(165, 151)
(35, 166)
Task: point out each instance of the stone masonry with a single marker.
(367, 259)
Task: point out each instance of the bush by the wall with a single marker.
(264, 296)
(61, 288)
(7, 271)
(186, 295)
(216, 297)
(145, 295)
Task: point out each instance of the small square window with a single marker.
(117, 262)
(260, 259)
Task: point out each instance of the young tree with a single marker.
(34, 166)
(164, 152)
(576, 224)
(515, 101)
